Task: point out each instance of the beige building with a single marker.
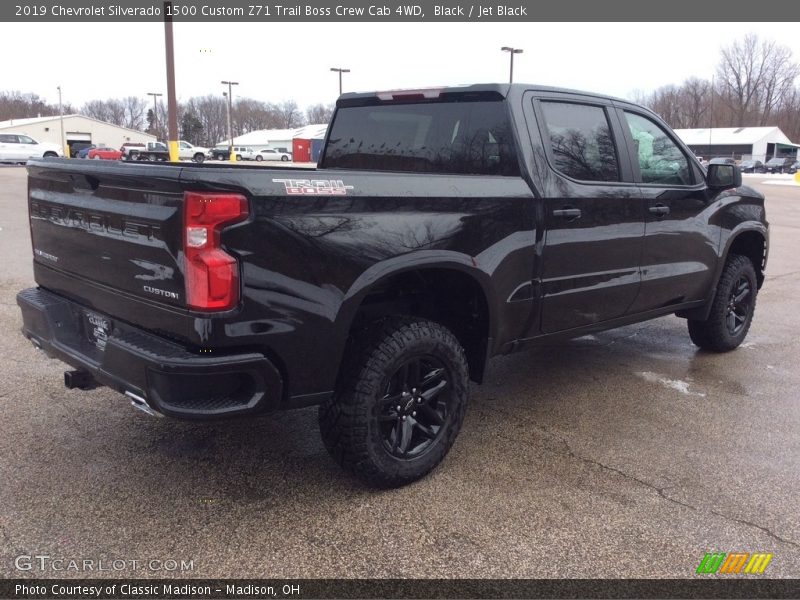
(78, 129)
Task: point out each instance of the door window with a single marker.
(581, 142)
(8, 139)
(24, 139)
(660, 159)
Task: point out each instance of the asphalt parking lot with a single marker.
(624, 454)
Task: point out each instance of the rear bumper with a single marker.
(172, 380)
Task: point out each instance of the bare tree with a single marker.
(290, 115)
(754, 76)
(319, 114)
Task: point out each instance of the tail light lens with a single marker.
(212, 275)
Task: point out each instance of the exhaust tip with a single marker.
(141, 404)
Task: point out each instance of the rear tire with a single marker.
(399, 403)
(259, 158)
(731, 310)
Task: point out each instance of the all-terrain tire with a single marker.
(365, 429)
(731, 310)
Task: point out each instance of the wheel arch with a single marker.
(750, 239)
(442, 286)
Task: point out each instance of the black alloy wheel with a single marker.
(414, 407)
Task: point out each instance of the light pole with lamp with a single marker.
(340, 71)
(155, 111)
(230, 84)
(512, 52)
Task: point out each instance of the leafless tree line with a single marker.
(202, 120)
(755, 84)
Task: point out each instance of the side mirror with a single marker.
(723, 174)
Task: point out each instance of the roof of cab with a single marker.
(503, 90)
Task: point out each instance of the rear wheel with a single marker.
(399, 404)
(259, 158)
(238, 157)
(732, 308)
(50, 154)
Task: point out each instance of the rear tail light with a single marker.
(212, 275)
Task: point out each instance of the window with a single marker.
(660, 159)
(581, 142)
(5, 138)
(470, 137)
(24, 139)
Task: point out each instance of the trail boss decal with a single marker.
(314, 187)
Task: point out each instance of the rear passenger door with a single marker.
(680, 246)
(592, 213)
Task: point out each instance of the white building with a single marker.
(276, 139)
(757, 143)
(77, 129)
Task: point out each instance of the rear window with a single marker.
(471, 138)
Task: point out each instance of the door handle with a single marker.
(659, 210)
(567, 213)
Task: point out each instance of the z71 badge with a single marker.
(314, 187)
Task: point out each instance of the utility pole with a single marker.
(172, 101)
(512, 52)
(155, 111)
(229, 93)
(64, 145)
(340, 71)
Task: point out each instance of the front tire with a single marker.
(259, 158)
(399, 403)
(731, 310)
(199, 158)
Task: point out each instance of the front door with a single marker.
(680, 245)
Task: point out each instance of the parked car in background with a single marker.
(752, 166)
(17, 147)
(80, 149)
(270, 154)
(151, 151)
(104, 153)
(128, 146)
(187, 151)
(778, 165)
(241, 152)
(794, 167)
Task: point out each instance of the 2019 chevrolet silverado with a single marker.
(442, 228)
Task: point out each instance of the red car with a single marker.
(104, 153)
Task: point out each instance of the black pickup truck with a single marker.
(442, 227)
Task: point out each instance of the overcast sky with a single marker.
(281, 61)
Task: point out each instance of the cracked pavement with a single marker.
(623, 454)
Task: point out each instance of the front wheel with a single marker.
(198, 158)
(732, 308)
(285, 158)
(399, 403)
(259, 158)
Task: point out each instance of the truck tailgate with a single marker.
(111, 224)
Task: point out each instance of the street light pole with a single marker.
(512, 52)
(230, 84)
(61, 117)
(340, 71)
(155, 111)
